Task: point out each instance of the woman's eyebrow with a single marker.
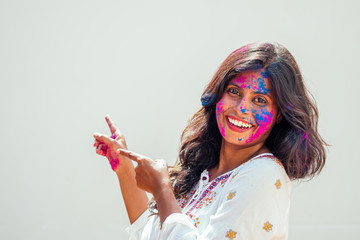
(234, 84)
(267, 93)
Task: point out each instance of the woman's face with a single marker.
(247, 111)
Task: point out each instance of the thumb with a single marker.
(104, 139)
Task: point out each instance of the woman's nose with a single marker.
(244, 105)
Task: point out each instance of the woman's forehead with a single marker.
(255, 80)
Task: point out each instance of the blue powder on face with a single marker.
(262, 87)
(264, 74)
(239, 139)
(242, 110)
(261, 116)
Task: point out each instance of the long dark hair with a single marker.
(295, 140)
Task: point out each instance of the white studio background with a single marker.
(65, 64)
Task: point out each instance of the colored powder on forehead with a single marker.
(262, 87)
(239, 79)
(264, 74)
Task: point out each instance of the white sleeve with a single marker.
(254, 205)
(136, 228)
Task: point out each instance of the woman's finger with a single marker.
(111, 124)
(113, 129)
(133, 156)
(99, 146)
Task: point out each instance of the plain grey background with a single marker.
(65, 64)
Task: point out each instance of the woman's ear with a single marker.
(278, 117)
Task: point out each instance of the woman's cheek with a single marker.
(263, 119)
(220, 109)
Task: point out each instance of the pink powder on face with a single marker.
(219, 111)
(264, 121)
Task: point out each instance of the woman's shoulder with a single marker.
(263, 162)
(263, 169)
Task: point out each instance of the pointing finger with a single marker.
(111, 124)
(133, 156)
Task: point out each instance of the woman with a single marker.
(256, 131)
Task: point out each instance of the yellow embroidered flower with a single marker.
(231, 195)
(231, 234)
(267, 226)
(278, 184)
(197, 222)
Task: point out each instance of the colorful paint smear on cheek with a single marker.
(263, 119)
(219, 113)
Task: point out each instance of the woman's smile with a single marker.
(238, 124)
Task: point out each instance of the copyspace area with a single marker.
(65, 64)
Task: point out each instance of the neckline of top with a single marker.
(205, 174)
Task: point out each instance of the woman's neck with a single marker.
(231, 156)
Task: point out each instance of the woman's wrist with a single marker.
(163, 192)
(125, 166)
(166, 202)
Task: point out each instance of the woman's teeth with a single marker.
(239, 123)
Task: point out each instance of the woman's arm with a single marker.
(135, 199)
(153, 176)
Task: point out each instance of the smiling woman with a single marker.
(255, 132)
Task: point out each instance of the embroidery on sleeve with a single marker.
(231, 234)
(278, 184)
(231, 195)
(267, 226)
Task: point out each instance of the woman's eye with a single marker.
(233, 91)
(260, 100)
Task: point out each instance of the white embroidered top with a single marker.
(250, 202)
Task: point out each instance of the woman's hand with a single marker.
(108, 145)
(151, 175)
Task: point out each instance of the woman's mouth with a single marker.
(238, 125)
